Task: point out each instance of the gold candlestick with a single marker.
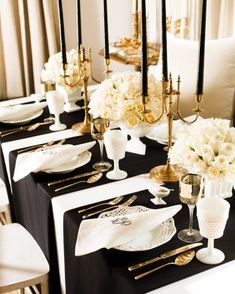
(85, 126)
(168, 172)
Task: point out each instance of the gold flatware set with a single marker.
(126, 203)
(185, 255)
(28, 128)
(90, 180)
(181, 260)
(44, 145)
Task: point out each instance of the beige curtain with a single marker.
(220, 16)
(28, 36)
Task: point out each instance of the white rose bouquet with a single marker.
(209, 147)
(53, 70)
(119, 99)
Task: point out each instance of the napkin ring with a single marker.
(124, 221)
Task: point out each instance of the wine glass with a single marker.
(212, 213)
(55, 103)
(115, 144)
(99, 126)
(191, 189)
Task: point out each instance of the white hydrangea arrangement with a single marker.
(208, 146)
(53, 69)
(119, 99)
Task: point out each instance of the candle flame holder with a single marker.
(168, 172)
(107, 71)
(85, 71)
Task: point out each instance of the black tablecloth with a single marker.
(103, 269)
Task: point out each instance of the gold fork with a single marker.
(50, 143)
(112, 202)
(126, 203)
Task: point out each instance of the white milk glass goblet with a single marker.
(191, 188)
(55, 103)
(212, 214)
(115, 144)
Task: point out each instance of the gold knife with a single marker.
(127, 203)
(164, 255)
(74, 177)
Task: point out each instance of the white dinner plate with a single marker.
(152, 239)
(74, 163)
(25, 120)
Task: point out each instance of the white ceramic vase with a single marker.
(218, 188)
(70, 98)
(134, 145)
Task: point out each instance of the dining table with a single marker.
(53, 220)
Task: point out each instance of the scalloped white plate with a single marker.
(152, 239)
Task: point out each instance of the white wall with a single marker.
(119, 13)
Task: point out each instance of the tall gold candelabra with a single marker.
(167, 172)
(85, 74)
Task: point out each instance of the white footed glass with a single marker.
(191, 189)
(115, 144)
(212, 214)
(55, 103)
(159, 192)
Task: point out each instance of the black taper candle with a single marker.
(164, 43)
(106, 31)
(79, 24)
(144, 57)
(200, 77)
(62, 34)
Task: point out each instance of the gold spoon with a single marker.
(90, 180)
(182, 259)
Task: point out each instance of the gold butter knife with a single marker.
(164, 255)
(73, 177)
(126, 203)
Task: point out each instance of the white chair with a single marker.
(22, 263)
(219, 76)
(5, 215)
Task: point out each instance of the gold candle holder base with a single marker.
(166, 173)
(82, 127)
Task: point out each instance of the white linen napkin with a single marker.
(47, 158)
(20, 111)
(94, 234)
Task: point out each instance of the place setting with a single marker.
(55, 159)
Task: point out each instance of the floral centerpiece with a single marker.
(119, 99)
(71, 86)
(208, 146)
(53, 70)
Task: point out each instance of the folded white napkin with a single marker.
(95, 234)
(20, 111)
(44, 159)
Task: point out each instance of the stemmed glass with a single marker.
(99, 126)
(55, 103)
(212, 213)
(115, 143)
(191, 188)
